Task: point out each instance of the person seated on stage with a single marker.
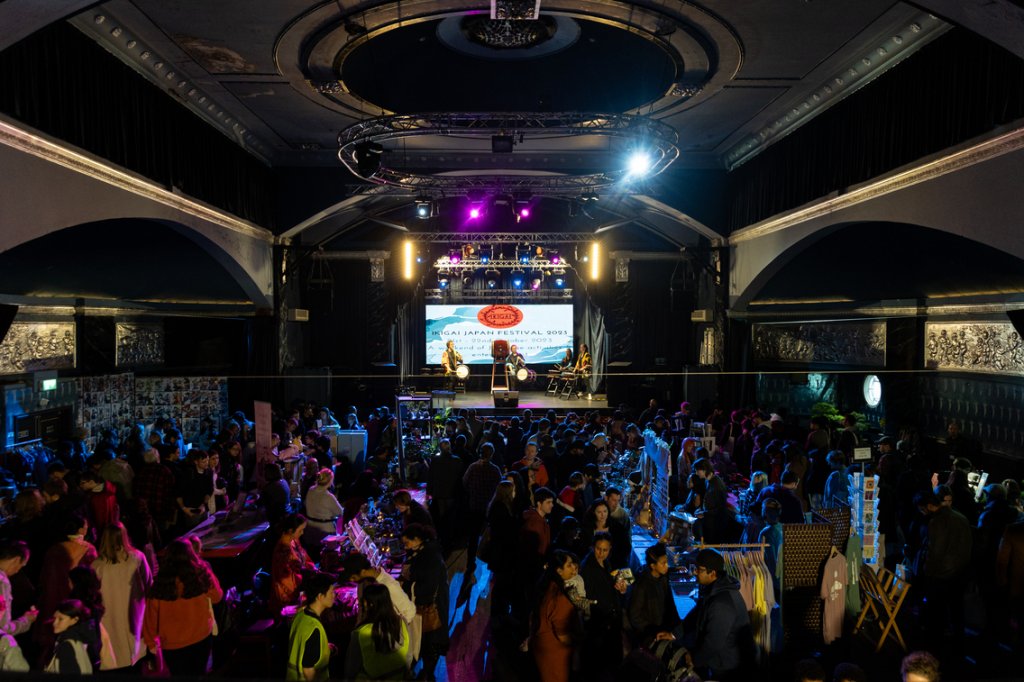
(565, 364)
(513, 363)
(583, 360)
(450, 361)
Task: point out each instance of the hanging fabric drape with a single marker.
(592, 332)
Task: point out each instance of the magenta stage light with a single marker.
(524, 212)
(474, 213)
(555, 260)
(455, 258)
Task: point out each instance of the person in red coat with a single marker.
(534, 542)
(100, 501)
(555, 626)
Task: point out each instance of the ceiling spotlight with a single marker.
(467, 278)
(454, 257)
(535, 282)
(574, 208)
(517, 281)
(588, 196)
(493, 276)
(485, 255)
(554, 257)
(442, 280)
(424, 208)
(640, 164)
(560, 282)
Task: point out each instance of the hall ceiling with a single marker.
(283, 78)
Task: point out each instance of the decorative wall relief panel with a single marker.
(839, 343)
(990, 347)
(139, 344)
(36, 346)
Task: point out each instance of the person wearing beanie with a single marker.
(718, 632)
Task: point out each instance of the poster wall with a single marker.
(187, 399)
(542, 332)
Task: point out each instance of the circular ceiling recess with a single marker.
(465, 64)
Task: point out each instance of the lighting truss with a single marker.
(492, 295)
(500, 237)
(444, 263)
(656, 138)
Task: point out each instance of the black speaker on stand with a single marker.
(506, 398)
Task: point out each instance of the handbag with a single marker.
(431, 617)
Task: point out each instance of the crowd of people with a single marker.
(99, 570)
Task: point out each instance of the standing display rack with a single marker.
(805, 549)
(839, 517)
(654, 465)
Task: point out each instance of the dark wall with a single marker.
(192, 345)
(989, 407)
(958, 87)
(62, 83)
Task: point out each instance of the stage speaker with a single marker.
(1016, 318)
(7, 313)
(506, 398)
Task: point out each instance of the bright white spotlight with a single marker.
(640, 164)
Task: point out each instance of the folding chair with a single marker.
(884, 594)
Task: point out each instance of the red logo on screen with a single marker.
(500, 316)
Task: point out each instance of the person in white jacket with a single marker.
(125, 576)
(322, 512)
(357, 569)
(13, 557)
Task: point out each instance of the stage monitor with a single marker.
(542, 332)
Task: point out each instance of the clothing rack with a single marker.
(760, 591)
(758, 545)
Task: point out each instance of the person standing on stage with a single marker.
(513, 363)
(450, 361)
(583, 360)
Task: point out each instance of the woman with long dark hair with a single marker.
(503, 522)
(85, 587)
(179, 619)
(554, 623)
(595, 521)
(287, 564)
(425, 580)
(74, 637)
(124, 576)
(602, 647)
(378, 648)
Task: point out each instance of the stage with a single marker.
(536, 400)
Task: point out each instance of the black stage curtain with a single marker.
(62, 83)
(958, 87)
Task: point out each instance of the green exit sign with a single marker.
(49, 385)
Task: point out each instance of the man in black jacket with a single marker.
(945, 563)
(719, 637)
(652, 608)
(444, 482)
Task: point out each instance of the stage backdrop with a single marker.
(542, 332)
